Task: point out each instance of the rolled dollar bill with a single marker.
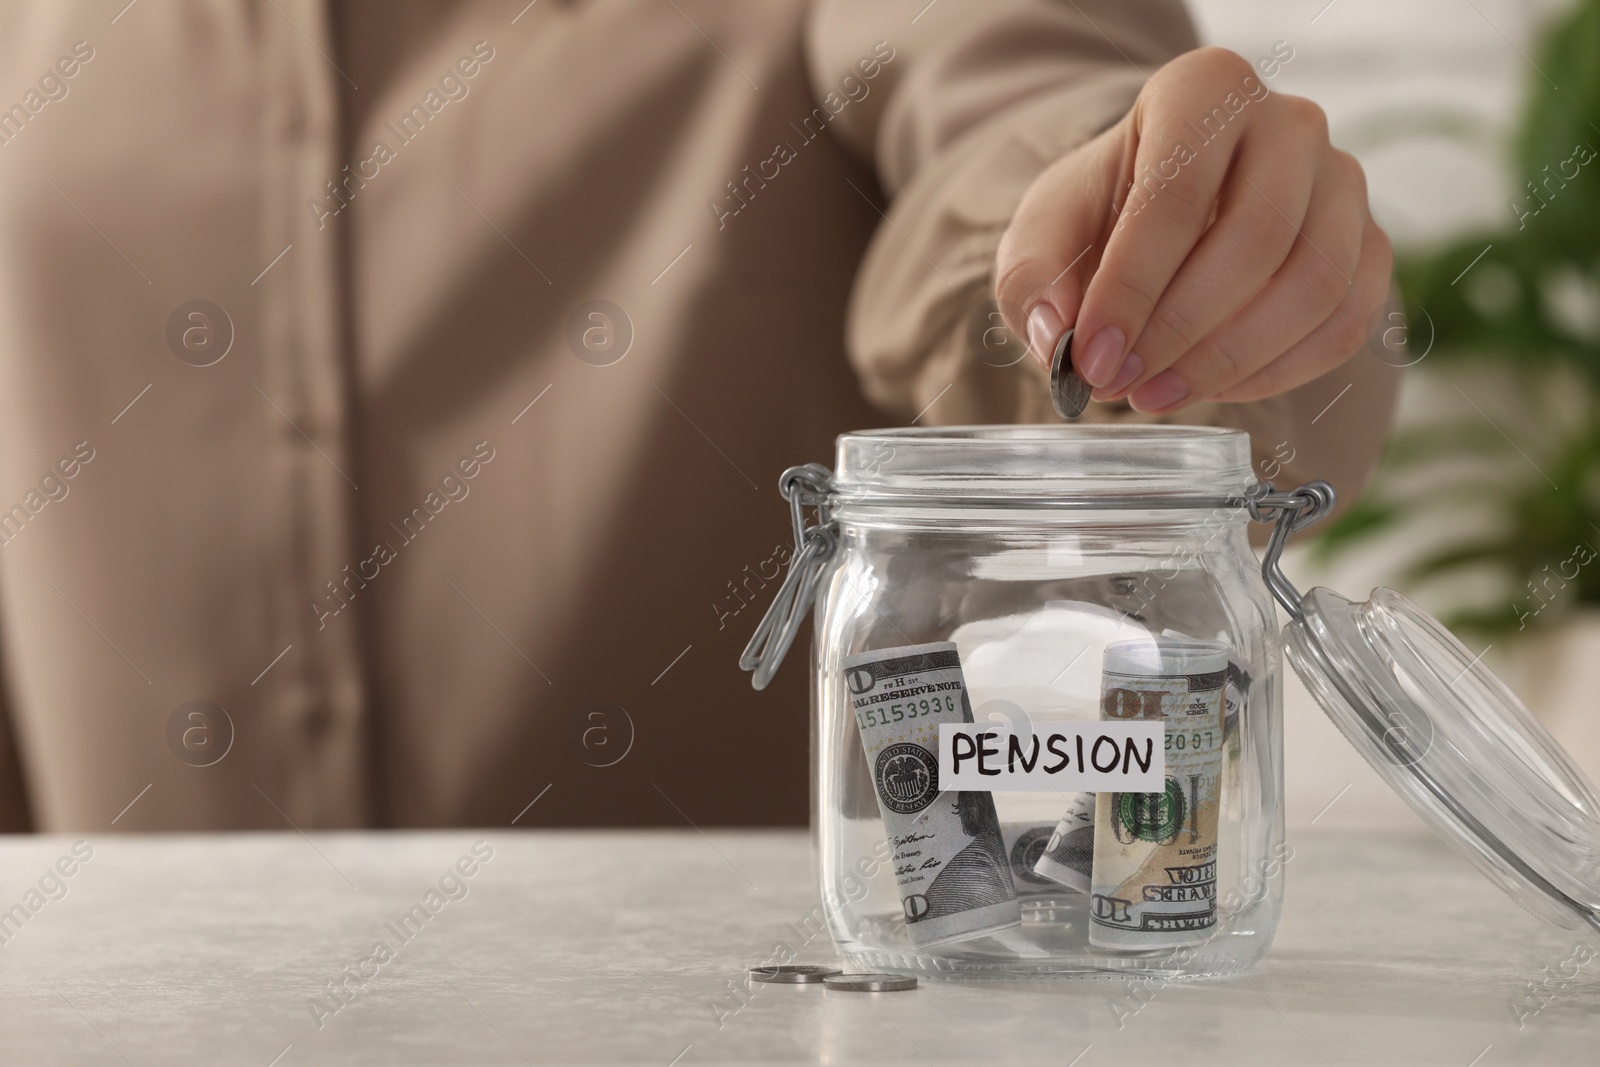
(949, 857)
(1154, 878)
(1069, 854)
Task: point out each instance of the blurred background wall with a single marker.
(1485, 510)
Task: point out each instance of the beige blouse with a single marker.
(392, 396)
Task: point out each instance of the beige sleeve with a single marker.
(977, 100)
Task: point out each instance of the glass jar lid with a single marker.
(1447, 735)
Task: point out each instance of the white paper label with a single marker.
(1067, 757)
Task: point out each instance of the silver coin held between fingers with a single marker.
(870, 983)
(792, 974)
(1069, 394)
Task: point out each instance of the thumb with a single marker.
(1054, 242)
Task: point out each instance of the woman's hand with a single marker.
(1242, 260)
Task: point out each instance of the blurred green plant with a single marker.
(1525, 300)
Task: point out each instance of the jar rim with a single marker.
(1039, 462)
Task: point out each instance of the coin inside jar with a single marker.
(870, 983)
(792, 974)
(1069, 394)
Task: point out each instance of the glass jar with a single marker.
(1047, 705)
(1038, 553)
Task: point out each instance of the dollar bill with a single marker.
(1154, 875)
(950, 859)
(1024, 843)
(1068, 855)
(1235, 694)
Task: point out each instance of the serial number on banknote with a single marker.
(910, 709)
(1199, 741)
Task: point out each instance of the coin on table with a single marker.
(870, 983)
(1069, 394)
(792, 974)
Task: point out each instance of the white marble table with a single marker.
(623, 947)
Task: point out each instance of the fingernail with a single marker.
(1159, 393)
(1101, 356)
(1044, 329)
(1132, 367)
